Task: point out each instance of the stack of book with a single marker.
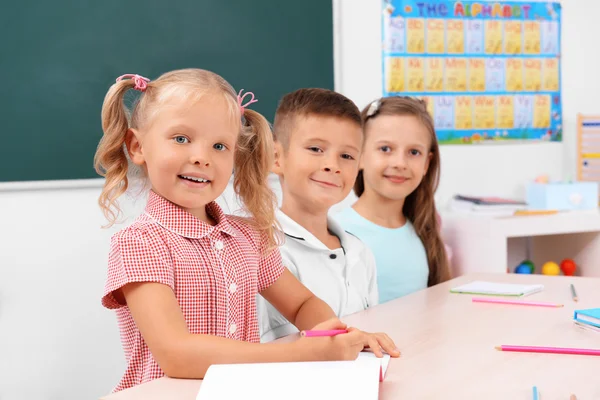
(486, 205)
(588, 319)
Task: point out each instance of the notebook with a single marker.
(357, 379)
(587, 326)
(497, 289)
(589, 317)
(489, 201)
(486, 206)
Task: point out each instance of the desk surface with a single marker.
(447, 344)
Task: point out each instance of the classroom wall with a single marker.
(57, 342)
(483, 169)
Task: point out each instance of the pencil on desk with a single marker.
(515, 302)
(551, 350)
(574, 293)
(535, 393)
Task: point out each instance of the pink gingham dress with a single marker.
(214, 271)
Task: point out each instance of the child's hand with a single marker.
(343, 347)
(378, 342)
(346, 346)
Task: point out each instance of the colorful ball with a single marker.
(568, 267)
(531, 265)
(550, 268)
(523, 269)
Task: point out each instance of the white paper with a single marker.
(385, 360)
(500, 289)
(293, 381)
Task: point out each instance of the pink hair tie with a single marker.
(241, 100)
(140, 82)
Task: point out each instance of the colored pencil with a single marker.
(574, 293)
(573, 397)
(551, 350)
(520, 213)
(515, 302)
(332, 332)
(535, 393)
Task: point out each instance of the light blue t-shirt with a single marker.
(400, 256)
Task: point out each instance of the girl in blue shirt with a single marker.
(395, 213)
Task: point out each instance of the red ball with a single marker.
(568, 267)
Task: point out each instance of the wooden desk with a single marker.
(447, 345)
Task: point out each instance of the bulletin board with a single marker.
(489, 71)
(588, 148)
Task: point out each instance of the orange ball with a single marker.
(568, 267)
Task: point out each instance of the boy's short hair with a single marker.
(315, 102)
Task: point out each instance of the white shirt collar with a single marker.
(296, 231)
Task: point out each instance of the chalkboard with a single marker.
(60, 57)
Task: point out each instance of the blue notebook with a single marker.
(589, 317)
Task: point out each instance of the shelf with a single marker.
(522, 226)
(493, 244)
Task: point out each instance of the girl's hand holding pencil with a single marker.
(343, 343)
(331, 341)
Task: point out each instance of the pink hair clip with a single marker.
(140, 82)
(241, 100)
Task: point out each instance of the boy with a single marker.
(318, 140)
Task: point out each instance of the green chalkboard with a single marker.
(60, 57)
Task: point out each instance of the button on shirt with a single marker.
(215, 273)
(345, 278)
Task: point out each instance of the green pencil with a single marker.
(574, 293)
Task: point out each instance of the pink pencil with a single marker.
(323, 333)
(552, 350)
(516, 302)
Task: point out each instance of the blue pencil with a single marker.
(535, 393)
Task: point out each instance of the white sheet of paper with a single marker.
(294, 381)
(499, 289)
(385, 360)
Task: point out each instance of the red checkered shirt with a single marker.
(214, 271)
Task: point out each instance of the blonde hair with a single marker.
(253, 154)
(419, 206)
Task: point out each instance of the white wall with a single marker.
(57, 342)
(484, 169)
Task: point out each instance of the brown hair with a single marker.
(311, 101)
(253, 154)
(419, 206)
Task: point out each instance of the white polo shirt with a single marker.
(345, 278)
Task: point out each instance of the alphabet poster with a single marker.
(489, 71)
